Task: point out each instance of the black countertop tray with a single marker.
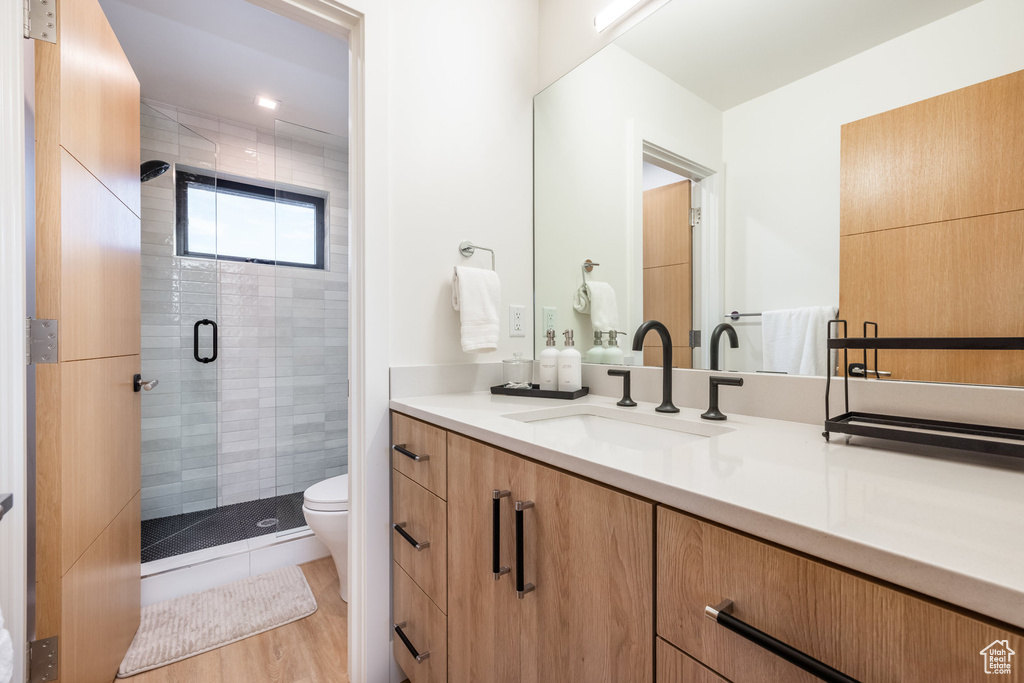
(536, 392)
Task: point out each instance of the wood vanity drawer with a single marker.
(423, 517)
(420, 452)
(677, 667)
(861, 627)
(426, 628)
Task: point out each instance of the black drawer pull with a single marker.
(720, 615)
(405, 639)
(400, 528)
(497, 568)
(409, 454)
(522, 588)
(195, 340)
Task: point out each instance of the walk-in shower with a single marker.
(245, 324)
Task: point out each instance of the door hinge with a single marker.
(42, 660)
(41, 20)
(694, 339)
(40, 341)
(695, 217)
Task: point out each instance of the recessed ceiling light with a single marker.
(612, 13)
(267, 103)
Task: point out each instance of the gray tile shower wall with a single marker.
(269, 417)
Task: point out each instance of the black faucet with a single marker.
(713, 413)
(716, 336)
(666, 361)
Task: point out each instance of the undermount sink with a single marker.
(624, 428)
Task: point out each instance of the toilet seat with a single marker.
(329, 495)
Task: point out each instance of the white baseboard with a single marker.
(212, 567)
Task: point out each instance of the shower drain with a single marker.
(264, 523)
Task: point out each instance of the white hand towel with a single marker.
(581, 299)
(794, 340)
(6, 654)
(604, 309)
(476, 295)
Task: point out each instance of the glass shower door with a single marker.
(311, 288)
(179, 416)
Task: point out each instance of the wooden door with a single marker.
(87, 278)
(668, 270)
(483, 614)
(589, 552)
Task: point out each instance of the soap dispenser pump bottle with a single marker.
(597, 353)
(549, 364)
(570, 369)
(613, 354)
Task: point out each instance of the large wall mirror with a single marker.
(795, 156)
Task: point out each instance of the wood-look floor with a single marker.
(311, 650)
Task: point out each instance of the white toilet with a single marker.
(325, 506)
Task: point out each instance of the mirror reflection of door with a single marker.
(667, 262)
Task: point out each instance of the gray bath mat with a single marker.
(192, 624)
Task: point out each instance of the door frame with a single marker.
(365, 24)
(642, 146)
(13, 453)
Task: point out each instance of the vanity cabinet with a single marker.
(586, 611)
(865, 629)
(587, 553)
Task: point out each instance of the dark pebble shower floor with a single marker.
(165, 537)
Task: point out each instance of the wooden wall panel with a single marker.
(101, 604)
(959, 278)
(99, 100)
(100, 287)
(101, 424)
(954, 156)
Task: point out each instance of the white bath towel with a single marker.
(794, 340)
(597, 299)
(6, 653)
(476, 295)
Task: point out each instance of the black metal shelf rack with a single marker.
(965, 436)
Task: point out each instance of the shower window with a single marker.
(231, 220)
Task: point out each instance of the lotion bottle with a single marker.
(613, 354)
(597, 353)
(549, 364)
(570, 369)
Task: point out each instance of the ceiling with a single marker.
(730, 51)
(216, 56)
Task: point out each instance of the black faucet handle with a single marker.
(626, 401)
(713, 413)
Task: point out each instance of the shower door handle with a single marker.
(195, 340)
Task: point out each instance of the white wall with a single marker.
(587, 189)
(567, 36)
(463, 76)
(781, 154)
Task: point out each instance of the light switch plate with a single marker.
(516, 322)
(550, 315)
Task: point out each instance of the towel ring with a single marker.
(467, 249)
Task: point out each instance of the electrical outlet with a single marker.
(550, 322)
(516, 322)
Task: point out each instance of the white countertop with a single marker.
(948, 528)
